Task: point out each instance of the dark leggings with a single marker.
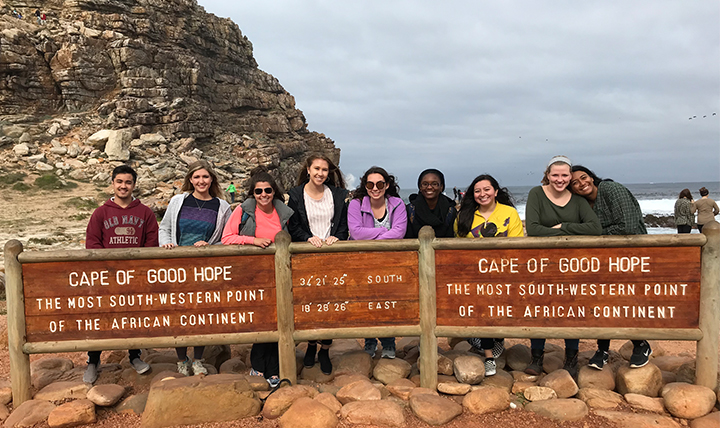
(264, 358)
(684, 228)
(94, 356)
(322, 342)
(604, 344)
(700, 227)
(197, 352)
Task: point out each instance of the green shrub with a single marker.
(53, 182)
(11, 178)
(81, 203)
(42, 241)
(21, 187)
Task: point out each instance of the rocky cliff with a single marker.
(165, 82)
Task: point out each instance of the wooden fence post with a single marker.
(706, 370)
(285, 315)
(19, 361)
(428, 310)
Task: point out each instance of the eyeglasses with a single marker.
(425, 185)
(258, 191)
(380, 185)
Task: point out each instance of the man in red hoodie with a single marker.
(121, 222)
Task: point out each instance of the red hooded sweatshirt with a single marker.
(114, 227)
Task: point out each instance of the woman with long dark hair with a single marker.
(256, 222)
(552, 210)
(377, 212)
(684, 212)
(619, 214)
(195, 217)
(429, 207)
(487, 211)
(320, 217)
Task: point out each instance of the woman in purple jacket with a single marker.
(377, 212)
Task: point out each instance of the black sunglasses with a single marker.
(380, 185)
(268, 190)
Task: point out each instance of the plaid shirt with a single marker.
(618, 210)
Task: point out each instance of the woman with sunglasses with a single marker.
(320, 217)
(377, 212)
(256, 222)
(195, 217)
(619, 213)
(487, 211)
(429, 207)
(552, 210)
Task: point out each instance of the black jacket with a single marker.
(300, 227)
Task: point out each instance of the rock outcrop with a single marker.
(165, 82)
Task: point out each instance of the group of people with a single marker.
(572, 200)
(40, 16)
(686, 207)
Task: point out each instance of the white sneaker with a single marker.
(198, 368)
(140, 366)
(490, 367)
(184, 367)
(91, 373)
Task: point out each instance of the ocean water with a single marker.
(654, 198)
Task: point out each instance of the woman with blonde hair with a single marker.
(195, 217)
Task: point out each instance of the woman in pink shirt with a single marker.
(256, 221)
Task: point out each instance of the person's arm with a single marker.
(622, 209)
(355, 226)
(532, 217)
(589, 222)
(295, 224)
(151, 229)
(398, 223)
(716, 210)
(231, 232)
(93, 233)
(165, 231)
(693, 208)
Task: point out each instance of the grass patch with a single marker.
(21, 187)
(78, 217)
(42, 241)
(81, 203)
(53, 182)
(11, 178)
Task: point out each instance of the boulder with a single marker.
(518, 357)
(645, 380)
(133, 404)
(600, 398)
(521, 387)
(434, 410)
(469, 369)
(72, 413)
(401, 388)
(454, 388)
(353, 362)
(589, 377)
(60, 391)
(642, 402)
(308, 413)
(106, 395)
(670, 363)
(315, 374)
(445, 365)
(348, 379)
(387, 370)
(560, 381)
(637, 420)
(5, 392)
(233, 366)
(501, 379)
(328, 400)
(21, 149)
(687, 401)
(45, 371)
(539, 393)
(486, 399)
(361, 390)
(382, 412)
(708, 421)
(215, 398)
(281, 400)
(29, 413)
(117, 146)
(561, 409)
(421, 391)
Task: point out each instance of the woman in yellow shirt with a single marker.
(486, 211)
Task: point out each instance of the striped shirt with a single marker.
(320, 213)
(196, 221)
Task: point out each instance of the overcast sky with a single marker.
(499, 87)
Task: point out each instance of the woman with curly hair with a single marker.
(684, 212)
(377, 212)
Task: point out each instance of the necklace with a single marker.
(199, 206)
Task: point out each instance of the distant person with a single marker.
(377, 212)
(706, 209)
(488, 211)
(552, 210)
(231, 191)
(256, 222)
(684, 212)
(43, 19)
(122, 222)
(38, 16)
(620, 214)
(455, 195)
(319, 203)
(429, 207)
(197, 218)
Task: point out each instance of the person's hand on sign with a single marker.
(262, 242)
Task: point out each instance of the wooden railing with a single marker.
(626, 287)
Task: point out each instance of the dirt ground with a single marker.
(57, 219)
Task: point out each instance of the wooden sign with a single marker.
(355, 289)
(149, 298)
(649, 287)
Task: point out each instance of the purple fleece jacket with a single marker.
(361, 222)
